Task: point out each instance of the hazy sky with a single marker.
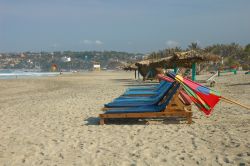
(124, 25)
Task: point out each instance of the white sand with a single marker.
(53, 121)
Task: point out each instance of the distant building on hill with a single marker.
(22, 55)
(96, 66)
(66, 59)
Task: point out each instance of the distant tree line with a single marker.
(233, 54)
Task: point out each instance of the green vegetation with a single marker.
(233, 54)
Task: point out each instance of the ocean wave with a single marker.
(26, 74)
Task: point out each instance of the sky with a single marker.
(121, 25)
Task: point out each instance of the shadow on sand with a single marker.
(134, 121)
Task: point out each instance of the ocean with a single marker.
(14, 74)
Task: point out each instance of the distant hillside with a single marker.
(233, 55)
(67, 60)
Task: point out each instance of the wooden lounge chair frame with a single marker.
(175, 108)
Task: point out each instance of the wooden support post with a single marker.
(189, 118)
(138, 74)
(102, 121)
(194, 71)
(135, 74)
(175, 69)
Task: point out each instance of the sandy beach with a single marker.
(54, 121)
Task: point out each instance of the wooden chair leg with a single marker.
(102, 122)
(189, 118)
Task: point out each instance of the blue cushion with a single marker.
(149, 108)
(139, 101)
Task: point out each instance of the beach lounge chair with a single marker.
(139, 101)
(182, 95)
(133, 101)
(141, 94)
(142, 88)
(148, 92)
(170, 105)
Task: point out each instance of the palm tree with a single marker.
(247, 48)
(193, 46)
(177, 49)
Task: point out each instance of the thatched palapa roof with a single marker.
(185, 59)
(130, 67)
(178, 59)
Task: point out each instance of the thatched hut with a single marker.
(150, 68)
(143, 67)
(130, 67)
(187, 59)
